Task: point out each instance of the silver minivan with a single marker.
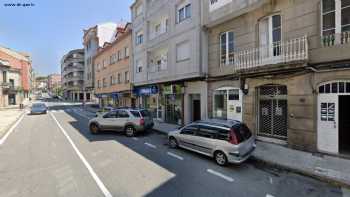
(227, 141)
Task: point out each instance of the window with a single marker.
(136, 114)
(138, 66)
(119, 78)
(126, 77)
(138, 10)
(183, 51)
(123, 114)
(112, 114)
(184, 12)
(335, 16)
(104, 82)
(98, 67)
(206, 132)
(4, 76)
(111, 80)
(189, 130)
(119, 55)
(104, 64)
(227, 48)
(157, 28)
(126, 51)
(233, 95)
(139, 38)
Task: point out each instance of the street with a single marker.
(55, 155)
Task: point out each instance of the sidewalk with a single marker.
(324, 167)
(7, 118)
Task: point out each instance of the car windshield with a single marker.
(145, 113)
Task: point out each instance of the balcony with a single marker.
(336, 39)
(331, 48)
(285, 52)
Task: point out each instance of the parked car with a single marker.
(38, 108)
(128, 120)
(103, 110)
(227, 141)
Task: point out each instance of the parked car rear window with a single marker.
(38, 105)
(135, 114)
(242, 132)
(145, 113)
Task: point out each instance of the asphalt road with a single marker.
(55, 155)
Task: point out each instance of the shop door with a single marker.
(327, 123)
(273, 111)
(234, 104)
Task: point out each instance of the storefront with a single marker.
(173, 96)
(227, 103)
(148, 97)
(115, 99)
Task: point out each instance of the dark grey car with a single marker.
(38, 108)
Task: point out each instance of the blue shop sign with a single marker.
(148, 90)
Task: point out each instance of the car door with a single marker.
(122, 118)
(186, 134)
(204, 139)
(107, 121)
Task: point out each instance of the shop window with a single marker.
(220, 104)
(334, 87)
(233, 95)
(327, 88)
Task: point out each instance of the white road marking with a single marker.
(175, 155)
(3, 139)
(271, 181)
(227, 178)
(82, 158)
(150, 145)
(269, 195)
(135, 138)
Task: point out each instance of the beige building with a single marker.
(282, 67)
(11, 92)
(112, 69)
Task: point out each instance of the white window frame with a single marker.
(126, 51)
(139, 66)
(139, 38)
(338, 17)
(183, 7)
(227, 59)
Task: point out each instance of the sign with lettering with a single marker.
(216, 4)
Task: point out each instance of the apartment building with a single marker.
(282, 67)
(10, 85)
(22, 62)
(53, 81)
(72, 72)
(94, 38)
(170, 59)
(112, 69)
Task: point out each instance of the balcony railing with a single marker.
(277, 53)
(157, 67)
(336, 39)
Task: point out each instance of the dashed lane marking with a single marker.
(135, 138)
(150, 145)
(85, 162)
(227, 178)
(175, 156)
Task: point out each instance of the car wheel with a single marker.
(130, 131)
(172, 142)
(220, 158)
(94, 128)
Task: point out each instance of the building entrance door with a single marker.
(273, 110)
(196, 112)
(344, 124)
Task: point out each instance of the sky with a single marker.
(50, 28)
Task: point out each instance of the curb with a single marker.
(326, 179)
(11, 124)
